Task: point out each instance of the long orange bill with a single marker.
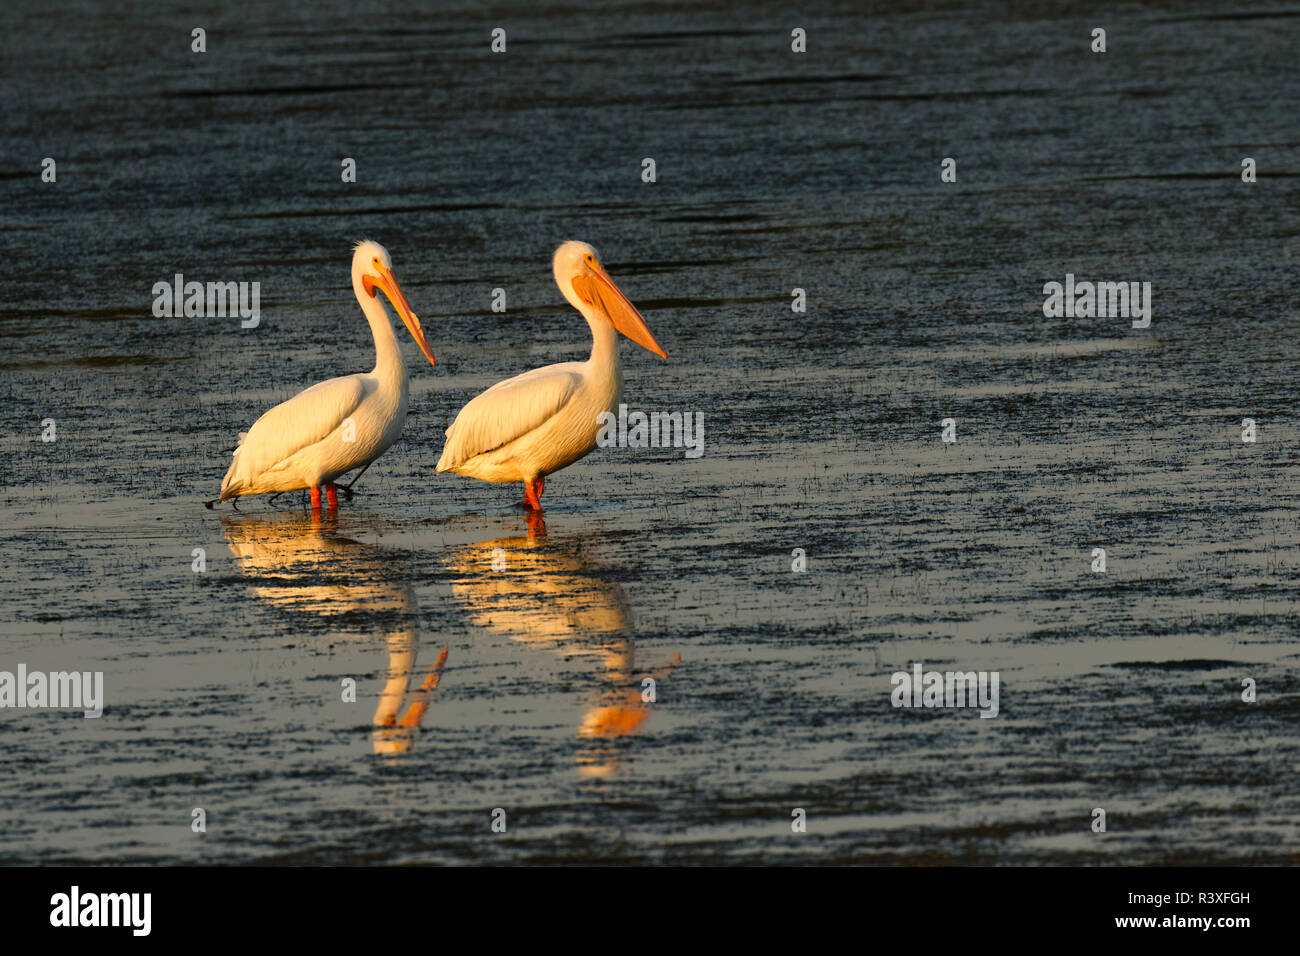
(600, 291)
(388, 282)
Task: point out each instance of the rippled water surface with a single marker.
(500, 664)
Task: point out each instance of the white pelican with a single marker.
(529, 426)
(340, 424)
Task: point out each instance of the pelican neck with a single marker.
(604, 340)
(388, 356)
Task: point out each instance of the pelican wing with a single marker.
(506, 411)
(288, 428)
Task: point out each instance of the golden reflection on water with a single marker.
(301, 564)
(535, 591)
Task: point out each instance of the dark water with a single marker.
(775, 171)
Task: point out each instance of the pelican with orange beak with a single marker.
(534, 424)
(344, 423)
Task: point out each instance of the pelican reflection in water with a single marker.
(528, 589)
(301, 565)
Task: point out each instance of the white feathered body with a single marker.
(533, 424)
(304, 442)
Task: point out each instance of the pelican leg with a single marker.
(533, 493)
(347, 489)
(315, 498)
(332, 493)
(271, 500)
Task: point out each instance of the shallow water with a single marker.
(775, 171)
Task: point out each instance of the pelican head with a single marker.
(590, 290)
(372, 270)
